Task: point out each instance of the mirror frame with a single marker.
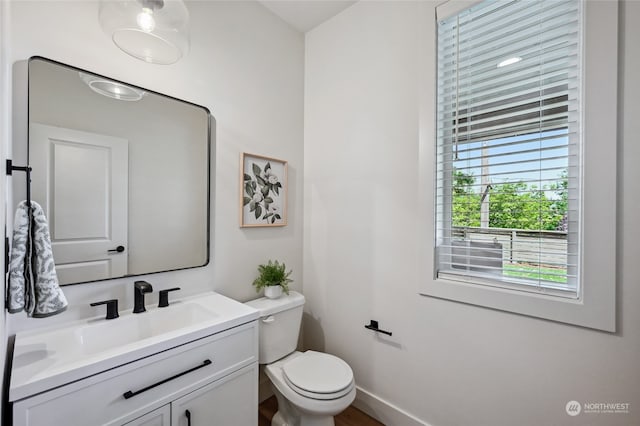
(210, 163)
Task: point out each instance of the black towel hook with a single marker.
(27, 169)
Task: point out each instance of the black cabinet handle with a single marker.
(188, 415)
(118, 249)
(131, 394)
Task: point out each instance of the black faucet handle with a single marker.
(112, 308)
(164, 297)
(143, 286)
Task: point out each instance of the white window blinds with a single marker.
(508, 145)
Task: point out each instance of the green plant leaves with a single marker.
(513, 205)
(272, 274)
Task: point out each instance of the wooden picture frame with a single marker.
(263, 191)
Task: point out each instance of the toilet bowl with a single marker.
(311, 387)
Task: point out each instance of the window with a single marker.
(509, 145)
(524, 155)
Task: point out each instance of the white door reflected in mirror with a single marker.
(82, 182)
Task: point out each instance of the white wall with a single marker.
(246, 66)
(367, 73)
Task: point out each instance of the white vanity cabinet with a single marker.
(223, 402)
(220, 403)
(158, 417)
(214, 377)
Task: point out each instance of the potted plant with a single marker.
(273, 278)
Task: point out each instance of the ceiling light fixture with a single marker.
(155, 31)
(509, 61)
(145, 20)
(112, 89)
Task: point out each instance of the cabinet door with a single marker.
(159, 417)
(230, 401)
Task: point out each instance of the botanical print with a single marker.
(263, 191)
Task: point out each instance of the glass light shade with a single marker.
(155, 31)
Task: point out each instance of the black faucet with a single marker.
(139, 290)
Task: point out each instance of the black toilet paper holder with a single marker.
(373, 325)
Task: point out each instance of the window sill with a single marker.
(539, 305)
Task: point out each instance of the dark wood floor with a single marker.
(349, 417)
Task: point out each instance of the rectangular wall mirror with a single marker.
(122, 173)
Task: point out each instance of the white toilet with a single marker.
(311, 387)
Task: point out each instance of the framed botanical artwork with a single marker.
(263, 188)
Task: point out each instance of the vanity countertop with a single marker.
(46, 359)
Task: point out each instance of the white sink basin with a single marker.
(105, 335)
(45, 359)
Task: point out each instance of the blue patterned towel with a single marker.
(33, 283)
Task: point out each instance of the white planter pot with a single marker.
(273, 291)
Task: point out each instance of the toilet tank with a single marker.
(279, 325)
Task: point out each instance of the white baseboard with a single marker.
(384, 411)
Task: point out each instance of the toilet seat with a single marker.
(318, 375)
(311, 409)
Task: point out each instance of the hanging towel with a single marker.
(33, 283)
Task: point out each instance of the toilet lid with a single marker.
(318, 373)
